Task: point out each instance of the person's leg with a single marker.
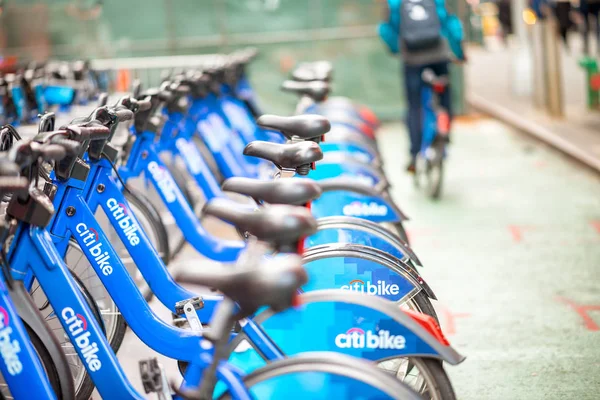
(595, 12)
(413, 83)
(563, 35)
(586, 31)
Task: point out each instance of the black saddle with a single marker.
(280, 225)
(309, 126)
(288, 155)
(316, 90)
(314, 71)
(293, 191)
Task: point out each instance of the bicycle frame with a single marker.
(34, 253)
(172, 342)
(179, 143)
(429, 117)
(19, 362)
(145, 159)
(50, 270)
(207, 119)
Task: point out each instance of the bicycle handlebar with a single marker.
(49, 152)
(123, 114)
(13, 183)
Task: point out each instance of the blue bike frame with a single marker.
(429, 118)
(19, 362)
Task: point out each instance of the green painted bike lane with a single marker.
(512, 251)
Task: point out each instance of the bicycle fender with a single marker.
(352, 203)
(343, 266)
(352, 230)
(353, 324)
(32, 317)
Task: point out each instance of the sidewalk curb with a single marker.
(539, 132)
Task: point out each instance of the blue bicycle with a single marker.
(104, 190)
(429, 173)
(252, 286)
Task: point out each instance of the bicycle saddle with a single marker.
(316, 90)
(309, 126)
(314, 71)
(273, 283)
(280, 225)
(288, 155)
(293, 191)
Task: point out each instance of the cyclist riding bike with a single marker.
(426, 36)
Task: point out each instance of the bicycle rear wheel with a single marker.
(83, 383)
(425, 376)
(323, 376)
(47, 363)
(429, 173)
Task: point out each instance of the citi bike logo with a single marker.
(129, 227)
(380, 288)
(90, 240)
(164, 181)
(77, 325)
(214, 131)
(360, 209)
(9, 349)
(192, 157)
(356, 338)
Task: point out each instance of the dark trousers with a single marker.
(414, 85)
(590, 11)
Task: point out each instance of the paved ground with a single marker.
(512, 252)
(494, 85)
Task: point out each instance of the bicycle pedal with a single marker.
(179, 321)
(153, 378)
(197, 303)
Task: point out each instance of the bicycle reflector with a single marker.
(429, 324)
(439, 87)
(368, 116)
(443, 123)
(296, 300)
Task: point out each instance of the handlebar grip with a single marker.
(102, 99)
(124, 115)
(13, 183)
(8, 168)
(165, 95)
(53, 152)
(96, 132)
(144, 105)
(72, 147)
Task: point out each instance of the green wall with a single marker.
(285, 31)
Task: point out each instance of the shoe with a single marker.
(412, 165)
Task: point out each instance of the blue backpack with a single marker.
(420, 27)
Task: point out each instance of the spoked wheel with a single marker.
(425, 376)
(83, 383)
(429, 173)
(46, 361)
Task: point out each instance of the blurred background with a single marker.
(512, 248)
(517, 57)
